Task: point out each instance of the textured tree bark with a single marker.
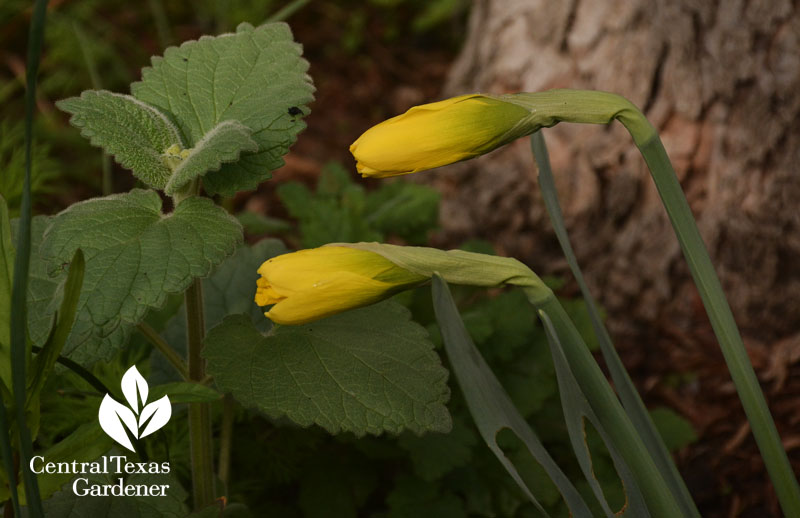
(719, 80)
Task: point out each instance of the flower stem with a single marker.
(607, 407)
(631, 400)
(200, 441)
(164, 348)
(592, 107)
(721, 317)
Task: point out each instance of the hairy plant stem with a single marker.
(200, 440)
(164, 348)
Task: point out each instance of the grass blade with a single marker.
(20, 350)
(607, 408)
(593, 107)
(489, 404)
(631, 400)
(721, 317)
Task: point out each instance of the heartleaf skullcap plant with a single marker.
(436, 134)
(311, 284)
(318, 282)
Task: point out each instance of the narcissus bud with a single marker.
(319, 282)
(436, 134)
(311, 284)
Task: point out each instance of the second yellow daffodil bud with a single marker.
(436, 134)
(319, 282)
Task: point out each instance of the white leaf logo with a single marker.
(120, 421)
(134, 384)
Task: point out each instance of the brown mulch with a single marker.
(723, 468)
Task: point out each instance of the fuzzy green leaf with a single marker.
(45, 290)
(224, 143)
(365, 371)
(135, 256)
(230, 290)
(135, 133)
(255, 76)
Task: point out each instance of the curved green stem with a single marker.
(550, 107)
(721, 317)
(607, 407)
(20, 352)
(631, 400)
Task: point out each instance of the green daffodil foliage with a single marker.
(461, 128)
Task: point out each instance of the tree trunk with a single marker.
(720, 80)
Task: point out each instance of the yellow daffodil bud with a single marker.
(319, 282)
(440, 133)
(436, 134)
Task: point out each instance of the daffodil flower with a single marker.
(311, 284)
(440, 133)
(318, 282)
